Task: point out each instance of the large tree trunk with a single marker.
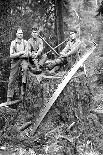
(59, 21)
(71, 106)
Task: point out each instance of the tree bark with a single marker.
(59, 21)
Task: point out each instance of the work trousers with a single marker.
(40, 60)
(68, 61)
(17, 66)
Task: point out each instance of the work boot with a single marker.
(43, 68)
(35, 70)
(54, 63)
(52, 71)
(51, 65)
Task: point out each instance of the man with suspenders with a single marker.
(19, 60)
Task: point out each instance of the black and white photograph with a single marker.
(51, 77)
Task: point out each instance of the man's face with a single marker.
(72, 35)
(34, 33)
(19, 34)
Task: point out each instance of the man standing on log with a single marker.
(19, 60)
(71, 49)
(35, 47)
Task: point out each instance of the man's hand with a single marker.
(23, 54)
(63, 54)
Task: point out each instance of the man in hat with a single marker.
(19, 60)
(71, 49)
(35, 47)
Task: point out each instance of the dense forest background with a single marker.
(54, 18)
(84, 93)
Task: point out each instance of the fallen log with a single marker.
(5, 104)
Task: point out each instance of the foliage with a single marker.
(85, 136)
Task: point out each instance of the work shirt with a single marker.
(18, 46)
(71, 47)
(35, 45)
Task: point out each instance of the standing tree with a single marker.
(59, 20)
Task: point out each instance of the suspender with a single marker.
(15, 47)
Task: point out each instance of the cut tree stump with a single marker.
(51, 101)
(45, 94)
(52, 96)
